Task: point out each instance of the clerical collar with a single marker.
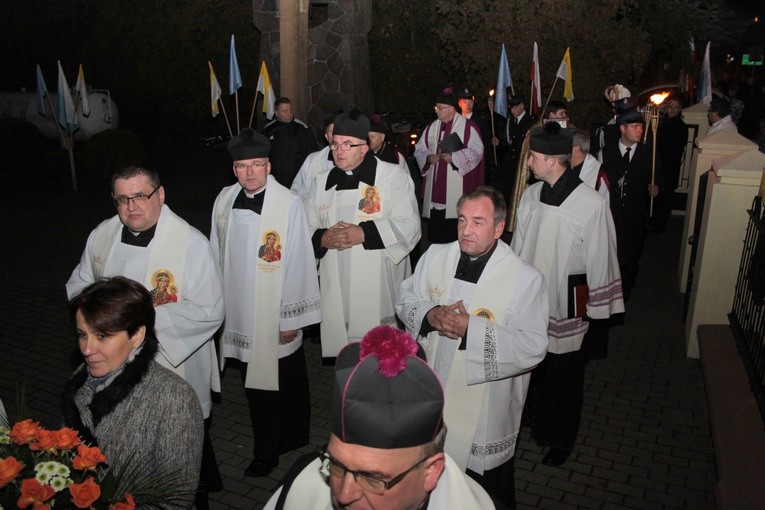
(254, 204)
(365, 172)
(470, 270)
(141, 239)
(564, 186)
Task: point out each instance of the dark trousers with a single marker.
(595, 342)
(281, 419)
(209, 475)
(559, 382)
(498, 482)
(441, 230)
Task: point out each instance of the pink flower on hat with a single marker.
(391, 346)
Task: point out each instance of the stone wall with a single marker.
(338, 55)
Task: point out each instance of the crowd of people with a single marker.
(482, 327)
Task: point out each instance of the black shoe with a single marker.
(260, 467)
(555, 457)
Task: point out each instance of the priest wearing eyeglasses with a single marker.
(362, 251)
(271, 290)
(147, 242)
(386, 447)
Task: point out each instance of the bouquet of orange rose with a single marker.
(43, 469)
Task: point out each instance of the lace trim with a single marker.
(301, 308)
(237, 340)
(411, 315)
(400, 237)
(482, 451)
(490, 366)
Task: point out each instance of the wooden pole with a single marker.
(654, 127)
(550, 94)
(228, 125)
(254, 102)
(236, 101)
(493, 135)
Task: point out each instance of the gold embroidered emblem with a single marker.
(485, 313)
(436, 292)
(98, 261)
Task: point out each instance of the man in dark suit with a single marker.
(518, 123)
(627, 164)
(670, 147)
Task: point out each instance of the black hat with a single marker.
(446, 96)
(378, 124)
(352, 123)
(248, 144)
(385, 396)
(623, 105)
(466, 94)
(629, 117)
(550, 139)
(516, 100)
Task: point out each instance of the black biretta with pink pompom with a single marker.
(385, 395)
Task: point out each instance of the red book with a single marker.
(578, 295)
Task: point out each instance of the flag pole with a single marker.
(550, 94)
(236, 100)
(254, 103)
(67, 141)
(228, 125)
(491, 115)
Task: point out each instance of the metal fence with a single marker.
(747, 318)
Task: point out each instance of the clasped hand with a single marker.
(342, 236)
(449, 320)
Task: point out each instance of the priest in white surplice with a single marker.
(566, 231)
(149, 243)
(271, 290)
(364, 222)
(480, 314)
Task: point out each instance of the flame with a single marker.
(657, 99)
(491, 92)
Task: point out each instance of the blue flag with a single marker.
(42, 91)
(234, 77)
(504, 80)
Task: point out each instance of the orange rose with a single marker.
(87, 458)
(66, 438)
(128, 505)
(85, 494)
(34, 493)
(24, 431)
(9, 468)
(41, 506)
(46, 441)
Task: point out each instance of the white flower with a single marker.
(42, 477)
(59, 483)
(46, 471)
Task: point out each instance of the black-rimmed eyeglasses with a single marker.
(367, 482)
(138, 198)
(346, 145)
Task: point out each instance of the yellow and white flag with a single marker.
(264, 87)
(564, 73)
(215, 91)
(82, 90)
